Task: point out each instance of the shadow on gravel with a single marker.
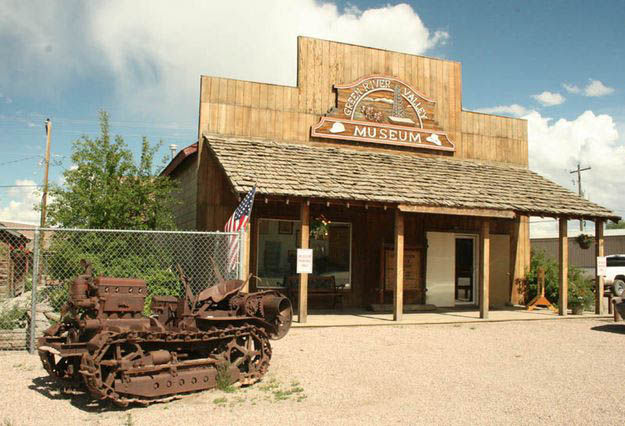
(51, 389)
(610, 328)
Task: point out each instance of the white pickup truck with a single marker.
(615, 274)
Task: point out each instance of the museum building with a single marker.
(405, 198)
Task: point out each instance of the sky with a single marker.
(558, 64)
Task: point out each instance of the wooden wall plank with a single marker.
(223, 91)
(231, 94)
(271, 97)
(318, 66)
(214, 93)
(262, 100)
(301, 73)
(279, 98)
(239, 91)
(255, 94)
(247, 93)
(331, 76)
(361, 61)
(238, 120)
(325, 85)
(401, 68)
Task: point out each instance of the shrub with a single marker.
(580, 289)
(14, 317)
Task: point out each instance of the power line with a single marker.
(19, 186)
(20, 159)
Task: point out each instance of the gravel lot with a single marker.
(490, 373)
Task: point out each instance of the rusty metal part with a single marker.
(106, 345)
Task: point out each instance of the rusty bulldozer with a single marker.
(105, 343)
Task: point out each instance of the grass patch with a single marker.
(224, 380)
(270, 386)
(280, 392)
(220, 401)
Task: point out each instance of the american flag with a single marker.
(237, 221)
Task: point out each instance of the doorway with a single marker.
(466, 269)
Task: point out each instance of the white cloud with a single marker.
(18, 203)
(154, 51)
(549, 98)
(571, 88)
(597, 88)
(515, 110)
(556, 147)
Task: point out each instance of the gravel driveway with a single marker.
(563, 371)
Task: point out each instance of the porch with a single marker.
(363, 318)
(393, 228)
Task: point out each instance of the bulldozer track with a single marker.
(242, 351)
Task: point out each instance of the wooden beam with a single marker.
(304, 217)
(484, 268)
(563, 257)
(519, 258)
(398, 290)
(599, 280)
(504, 214)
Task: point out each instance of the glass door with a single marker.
(465, 270)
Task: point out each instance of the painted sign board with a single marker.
(384, 110)
(602, 265)
(412, 263)
(304, 261)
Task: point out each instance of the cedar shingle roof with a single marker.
(317, 172)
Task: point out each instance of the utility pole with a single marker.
(44, 198)
(579, 171)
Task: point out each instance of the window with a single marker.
(615, 261)
(277, 250)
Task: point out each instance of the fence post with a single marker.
(241, 251)
(33, 291)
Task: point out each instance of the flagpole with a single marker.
(241, 252)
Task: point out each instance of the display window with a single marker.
(277, 251)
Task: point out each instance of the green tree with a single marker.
(107, 189)
(618, 225)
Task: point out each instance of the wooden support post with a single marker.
(519, 259)
(246, 258)
(599, 280)
(563, 255)
(485, 269)
(398, 291)
(304, 217)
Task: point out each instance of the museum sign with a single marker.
(383, 110)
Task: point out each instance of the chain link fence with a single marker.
(37, 265)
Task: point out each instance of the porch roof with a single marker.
(293, 170)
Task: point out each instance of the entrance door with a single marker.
(465, 270)
(440, 269)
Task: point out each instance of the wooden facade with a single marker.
(260, 111)
(283, 113)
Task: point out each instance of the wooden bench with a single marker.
(319, 287)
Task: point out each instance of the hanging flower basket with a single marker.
(584, 241)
